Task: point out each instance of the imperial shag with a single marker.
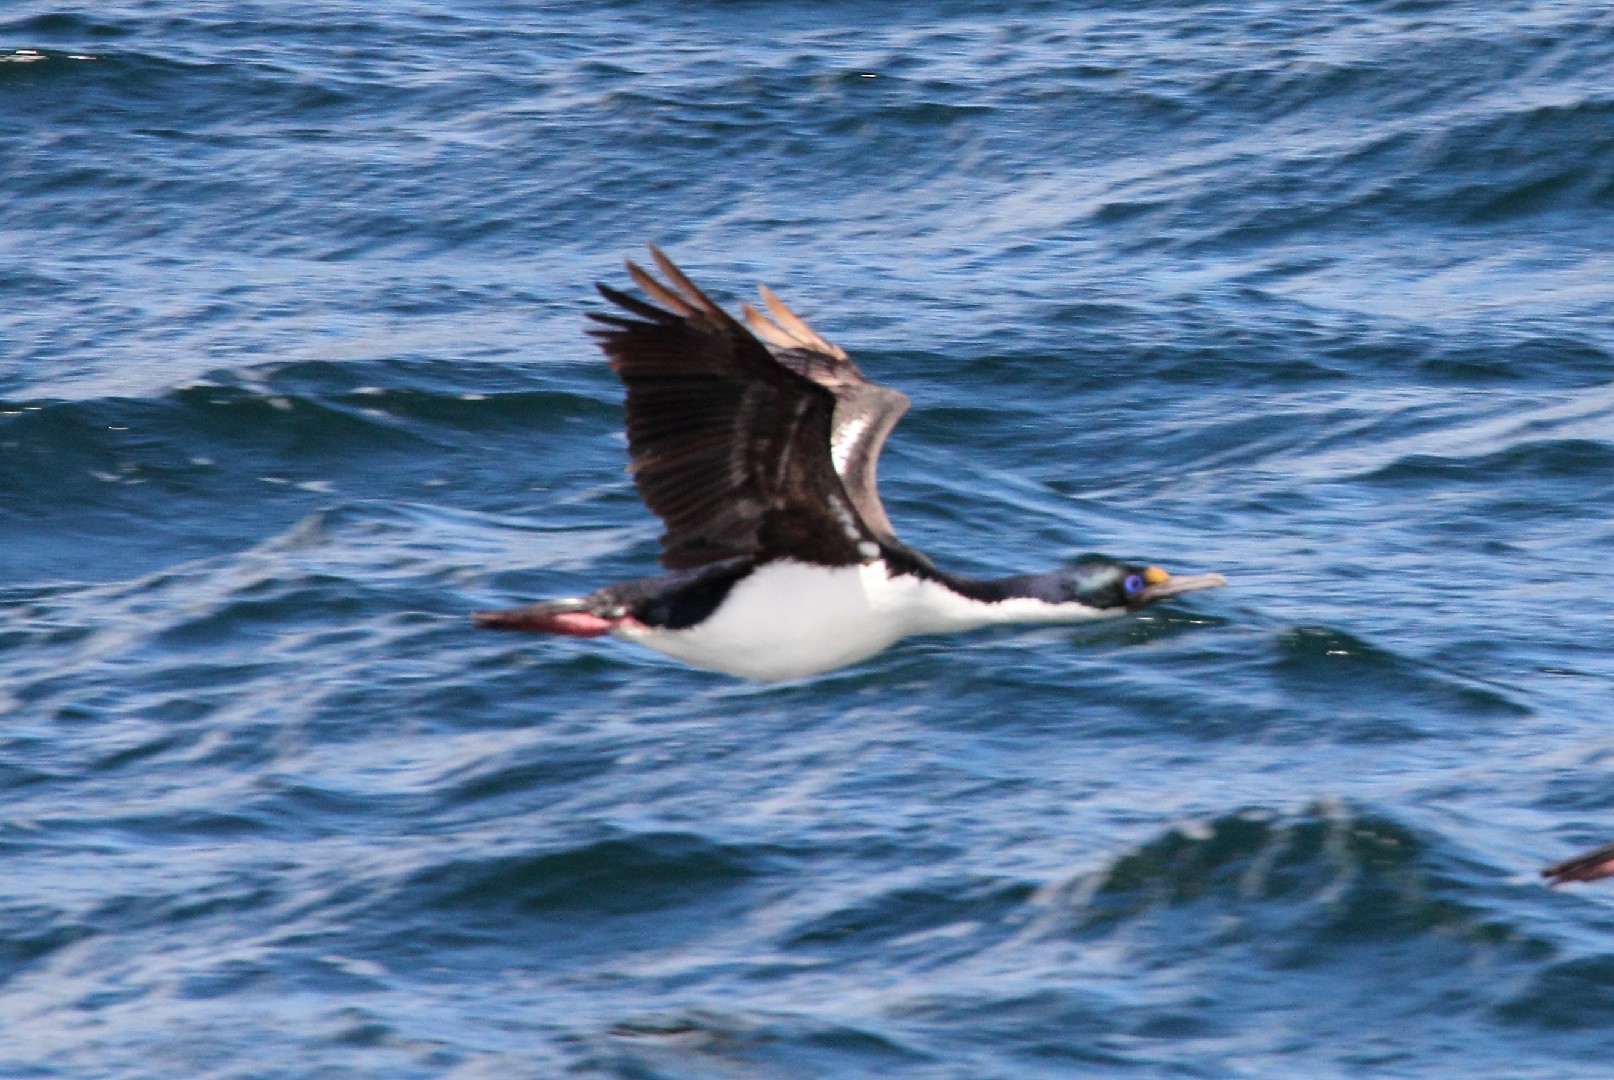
(756, 445)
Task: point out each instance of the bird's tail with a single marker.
(570, 617)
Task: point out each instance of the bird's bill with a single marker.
(1159, 584)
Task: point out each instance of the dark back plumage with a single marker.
(746, 449)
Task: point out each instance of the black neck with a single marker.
(987, 590)
(1046, 587)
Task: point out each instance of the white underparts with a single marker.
(788, 620)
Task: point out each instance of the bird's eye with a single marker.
(1133, 584)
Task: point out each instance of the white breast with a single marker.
(788, 620)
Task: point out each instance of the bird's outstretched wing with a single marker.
(865, 412)
(730, 445)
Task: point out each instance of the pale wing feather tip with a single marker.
(796, 325)
(769, 331)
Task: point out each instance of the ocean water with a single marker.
(293, 377)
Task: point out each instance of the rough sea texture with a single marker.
(293, 377)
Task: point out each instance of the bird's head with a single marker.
(1109, 585)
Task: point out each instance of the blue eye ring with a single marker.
(1133, 584)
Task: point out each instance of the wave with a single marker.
(214, 466)
(1330, 888)
(632, 875)
(713, 1042)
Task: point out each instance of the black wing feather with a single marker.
(865, 412)
(729, 447)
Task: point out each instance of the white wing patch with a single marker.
(840, 447)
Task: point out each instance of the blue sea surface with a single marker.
(293, 377)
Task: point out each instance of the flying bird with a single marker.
(756, 444)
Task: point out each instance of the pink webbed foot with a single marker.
(553, 617)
